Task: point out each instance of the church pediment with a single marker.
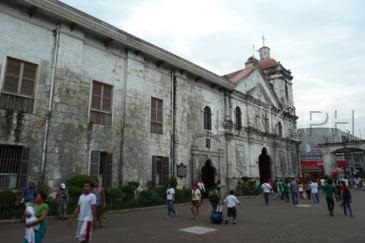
(256, 86)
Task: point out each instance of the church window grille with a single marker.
(207, 118)
(101, 104)
(160, 170)
(101, 167)
(238, 115)
(156, 115)
(18, 85)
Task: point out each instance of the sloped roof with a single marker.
(240, 74)
(268, 62)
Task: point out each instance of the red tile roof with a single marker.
(236, 76)
(240, 74)
(268, 62)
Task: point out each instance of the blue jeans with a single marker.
(315, 198)
(170, 207)
(346, 205)
(294, 197)
(266, 196)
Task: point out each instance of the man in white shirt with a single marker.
(170, 197)
(314, 192)
(86, 211)
(231, 201)
(266, 188)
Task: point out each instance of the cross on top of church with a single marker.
(263, 40)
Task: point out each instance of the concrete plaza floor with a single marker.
(256, 223)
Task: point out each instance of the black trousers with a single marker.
(330, 204)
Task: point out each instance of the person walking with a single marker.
(307, 188)
(266, 189)
(170, 197)
(41, 211)
(231, 201)
(286, 190)
(86, 211)
(329, 191)
(314, 192)
(195, 201)
(201, 187)
(30, 193)
(62, 200)
(294, 191)
(346, 199)
(301, 190)
(214, 197)
(280, 190)
(99, 193)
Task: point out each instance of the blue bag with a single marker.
(217, 216)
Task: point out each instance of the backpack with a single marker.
(346, 193)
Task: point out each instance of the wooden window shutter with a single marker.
(107, 98)
(159, 112)
(165, 170)
(12, 75)
(153, 110)
(94, 163)
(154, 169)
(28, 80)
(96, 96)
(23, 170)
(107, 177)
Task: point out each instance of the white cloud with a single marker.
(322, 42)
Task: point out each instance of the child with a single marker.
(29, 231)
(231, 201)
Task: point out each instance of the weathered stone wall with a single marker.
(84, 57)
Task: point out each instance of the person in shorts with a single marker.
(195, 201)
(86, 211)
(231, 201)
(99, 193)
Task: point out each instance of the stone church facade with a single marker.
(81, 96)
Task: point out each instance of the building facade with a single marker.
(79, 96)
(325, 150)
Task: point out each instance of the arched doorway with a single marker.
(264, 166)
(208, 176)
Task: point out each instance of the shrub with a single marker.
(7, 197)
(149, 198)
(43, 187)
(129, 190)
(133, 184)
(180, 196)
(246, 187)
(113, 193)
(79, 180)
(173, 182)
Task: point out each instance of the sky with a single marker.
(321, 42)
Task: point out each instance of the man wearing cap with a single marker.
(29, 193)
(62, 199)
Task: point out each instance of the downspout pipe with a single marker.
(50, 102)
(122, 147)
(173, 150)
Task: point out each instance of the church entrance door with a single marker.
(208, 176)
(264, 166)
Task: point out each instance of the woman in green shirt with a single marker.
(41, 212)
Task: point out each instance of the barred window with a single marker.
(101, 167)
(101, 103)
(13, 166)
(207, 118)
(160, 170)
(156, 115)
(238, 115)
(19, 85)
